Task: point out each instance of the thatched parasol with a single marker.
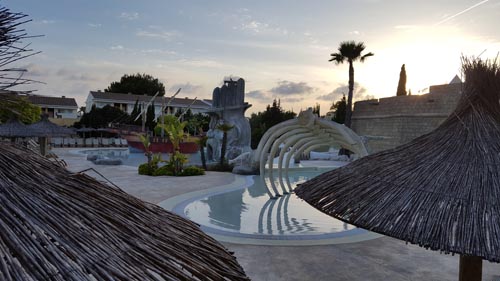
(46, 129)
(62, 226)
(440, 191)
(15, 128)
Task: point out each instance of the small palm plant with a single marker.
(225, 128)
(175, 133)
(147, 151)
(202, 143)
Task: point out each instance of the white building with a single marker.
(56, 107)
(126, 102)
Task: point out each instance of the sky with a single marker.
(281, 48)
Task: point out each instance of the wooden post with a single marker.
(470, 269)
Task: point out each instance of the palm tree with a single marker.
(225, 128)
(350, 51)
(202, 142)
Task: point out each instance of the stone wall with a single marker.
(389, 122)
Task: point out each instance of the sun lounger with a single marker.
(116, 142)
(79, 142)
(72, 142)
(105, 142)
(124, 142)
(95, 142)
(57, 142)
(88, 142)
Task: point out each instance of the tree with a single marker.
(316, 109)
(350, 51)
(12, 48)
(401, 91)
(225, 128)
(101, 117)
(133, 115)
(15, 105)
(138, 84)
(340, 108)
(202, 143)
(262, 121)
(150, 117)
(174, 130)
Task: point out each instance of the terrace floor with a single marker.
(378, 259)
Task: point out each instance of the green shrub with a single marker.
(145, 169)
(166, 170)
(221, 168)
(192, 171)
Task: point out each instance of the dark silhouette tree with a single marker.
(138, 84)
(401, 91)
(316, 109)
(340, 108)
(350, 51)
(16, 105)
(101, 117)
(225, 128)
(202, 143)
(260, 122)
(12, 49)
(150, 117)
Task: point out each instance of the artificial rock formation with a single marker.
(228, 107)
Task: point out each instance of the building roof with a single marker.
(440, 191)
(54, 101)
(131, 98)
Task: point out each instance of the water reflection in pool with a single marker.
(250, 211)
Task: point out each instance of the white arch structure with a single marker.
(300, 135)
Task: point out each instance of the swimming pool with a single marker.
(132, 158)
(244, 213)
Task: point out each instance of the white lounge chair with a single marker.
(95, 142)
(105, 142)
(124, 142)
(116, 142)
(72, 142)
(88, 142)
(57, 142)
(79, 142)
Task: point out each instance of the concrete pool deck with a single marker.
(383, 258)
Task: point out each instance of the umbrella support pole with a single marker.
(470, 269)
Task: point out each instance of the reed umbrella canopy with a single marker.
(440, 191)
(62, 226)
(14, 128)
(48, 129)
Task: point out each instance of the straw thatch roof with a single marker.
(48, 129)
(441, 190)
(15, 128)
(62, 226)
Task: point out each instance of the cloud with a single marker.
(158, 52)
(354, 32)
(129, 16)
(406, 26)
(35, 70)
(186, 88)
(158, 32)
(94, 25)
(292, 99)
(258, 95)
(117, 48)
(69, 74)
(247, 23)
(44, 22)
(292, 88)
(336, 94)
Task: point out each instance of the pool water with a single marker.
(134, 159)
(249, 212)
